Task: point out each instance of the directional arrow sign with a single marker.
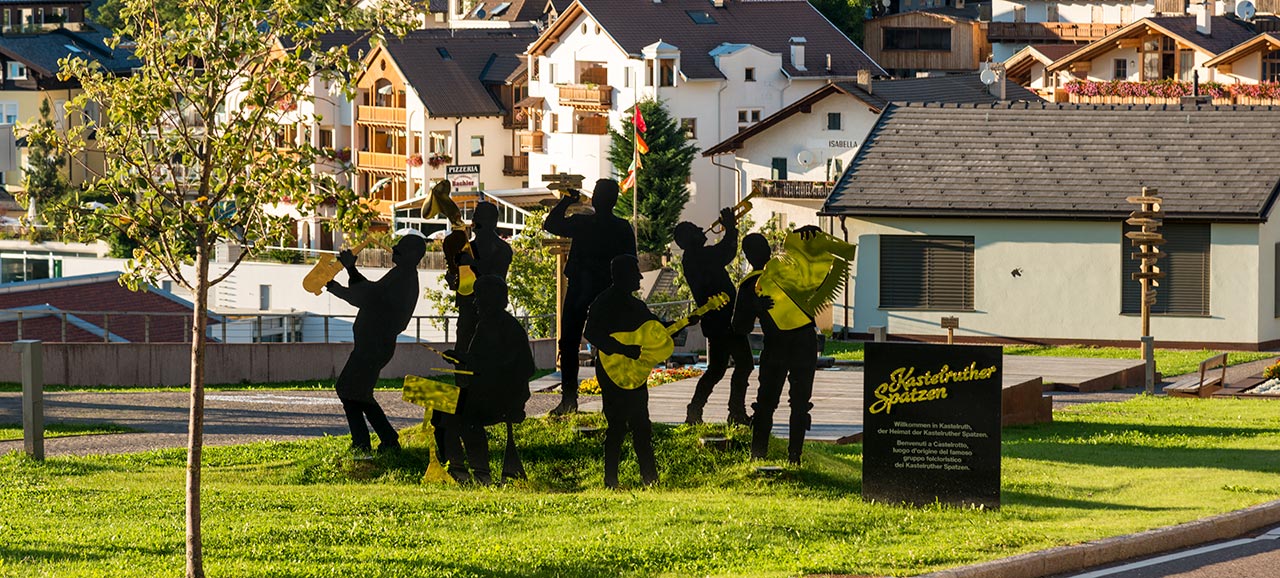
(1141, 276)
(1140, 222)
(1153, 255)
(1143, 236)
(1140, 242)
(1142, 199)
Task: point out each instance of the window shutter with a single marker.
(926, 272)
(1185, 287)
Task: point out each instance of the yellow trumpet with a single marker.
(742, 208)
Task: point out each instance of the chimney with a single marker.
(1204, 18)
(864, 80)
(797, 52)
(718, 3)
(828, 62)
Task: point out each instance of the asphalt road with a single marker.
(1253, 556)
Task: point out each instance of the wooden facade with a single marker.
(969, 45)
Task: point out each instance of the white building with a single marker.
(717, 66)
(1011, 217)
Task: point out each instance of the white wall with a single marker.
(1082, 12)
(1268, 312)
(1070, 284)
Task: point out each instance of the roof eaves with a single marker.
(1096, 45)
(738, 139)
(1243, 49)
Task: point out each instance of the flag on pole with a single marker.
(639, 120)
(630, 181)
(641, 146)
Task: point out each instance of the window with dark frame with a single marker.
(833, 121)
(1185, 288)
(690, 127)
(926, 272)
(917, 39)
(1120, 69)
(1271, 66)
(750, 74)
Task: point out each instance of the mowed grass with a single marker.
(13, 431)
(305, 509)
(1169, 362)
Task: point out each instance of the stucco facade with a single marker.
(1068, 286)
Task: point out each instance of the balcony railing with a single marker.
(515, 166)
(1171, 7)
(1048, 31)
(593, 125)
(381, 161)
(532, 142)
(792, 189)
(380, 115)
(586, 96)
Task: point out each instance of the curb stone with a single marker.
(1105, 551)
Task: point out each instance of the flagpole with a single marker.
(635, 186)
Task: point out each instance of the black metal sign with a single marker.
(931, 420)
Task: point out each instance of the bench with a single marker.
(1202, 384)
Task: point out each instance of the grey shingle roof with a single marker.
(1064, 161)
(41, 52)
(456, 86)
(769, 24)
(956, 89)
(952, 88)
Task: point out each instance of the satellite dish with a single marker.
(1245, 10)
(805, 158)
(988, 77)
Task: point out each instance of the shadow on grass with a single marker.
(1013, 497)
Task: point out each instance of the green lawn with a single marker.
(305, 509)
(1169, 362)
(13, 431)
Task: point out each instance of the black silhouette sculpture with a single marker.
(502, 363)
(597, 239)
(788, 356)
(385, 308)
(626, 410)
(704, 271)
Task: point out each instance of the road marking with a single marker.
(1169, 558)
(274, 399)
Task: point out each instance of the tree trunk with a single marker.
(195, 424)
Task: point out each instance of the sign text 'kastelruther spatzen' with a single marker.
(932, 424)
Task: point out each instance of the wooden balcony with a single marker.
(1171, 7)
(1048, 31)
(515, 166)
(381, 162)
(585, 96)
(380, 115)
(532, 142)
(1268, 6)
(792, 189)
(593, 125)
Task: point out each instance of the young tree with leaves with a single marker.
(43, 185)
(190, 153)
(662, 179)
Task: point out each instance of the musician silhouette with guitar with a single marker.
(597, 239)
(501, 364)
(789, 355)
(385, 308)
(705, 272)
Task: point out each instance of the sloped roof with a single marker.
(1064, 161)
(770, 25)
(1267, 41)
(513, 11)
(449, 69)
(1021, 62)
(1227, 32)
(92, 293)
(41, 52)
(957, 88)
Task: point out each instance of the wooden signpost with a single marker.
(1148, 216)
(951, 324)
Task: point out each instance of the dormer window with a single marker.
(16, 71)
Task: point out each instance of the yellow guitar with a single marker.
(656, 346)
(326, 269)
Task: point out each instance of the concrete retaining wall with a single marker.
(127, 364)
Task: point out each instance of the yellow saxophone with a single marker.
(805, 278)
(656, 346)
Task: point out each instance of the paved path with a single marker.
(231, 417)
(1255, 556)
(243, 416)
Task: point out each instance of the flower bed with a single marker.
(591, 386)
(1163, 91)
